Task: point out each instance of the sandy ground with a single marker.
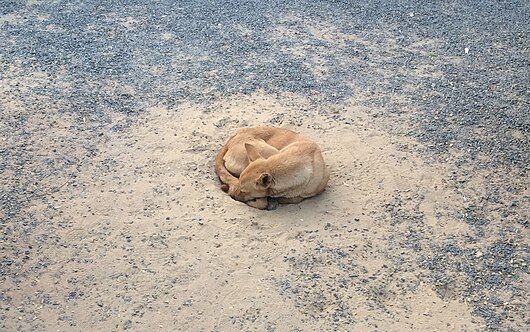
(114, 220)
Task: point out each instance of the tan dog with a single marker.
(271, 162)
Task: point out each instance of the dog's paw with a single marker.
(272, 204)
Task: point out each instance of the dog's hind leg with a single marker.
(290, 200)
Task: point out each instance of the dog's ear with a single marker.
(252, 152)
(265, 180)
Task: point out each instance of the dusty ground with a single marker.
(111, 216)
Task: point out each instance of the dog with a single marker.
(261, 163)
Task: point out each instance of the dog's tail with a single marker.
(224, 175)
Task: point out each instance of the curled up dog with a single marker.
(257, 164)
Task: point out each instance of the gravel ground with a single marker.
(447, 82)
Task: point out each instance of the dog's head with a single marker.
(255, 180)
